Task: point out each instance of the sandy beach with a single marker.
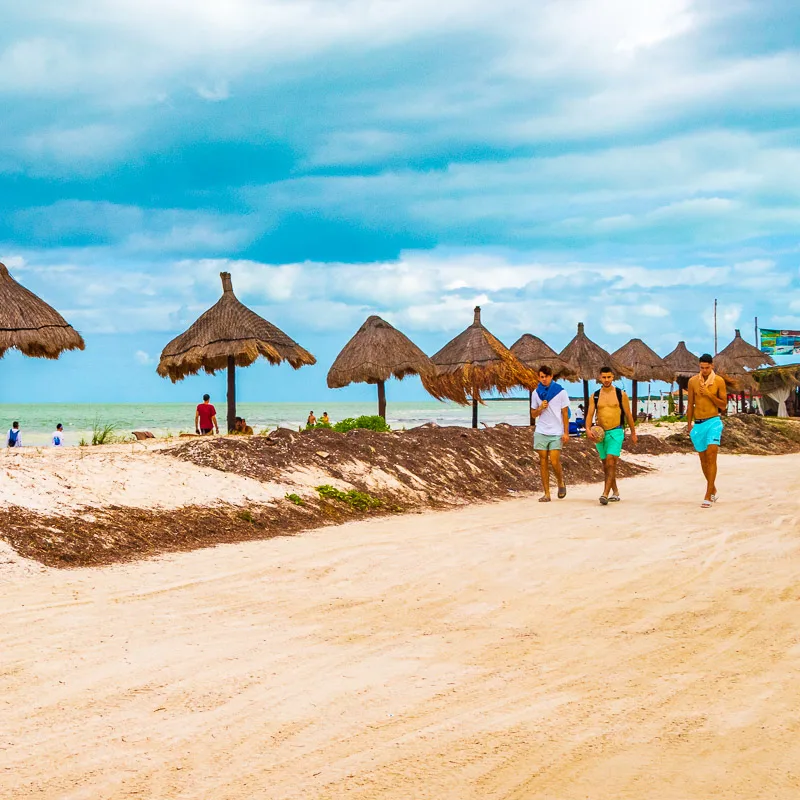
(506, 650)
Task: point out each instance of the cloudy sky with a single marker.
(616, 162)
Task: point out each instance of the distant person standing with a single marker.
(312, 420)
(325, 419)
(708, 396)
(58, 436)
(205, 418)
(14, 435)
(550, 409)
(612, 407)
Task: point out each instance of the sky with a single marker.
(618, 163)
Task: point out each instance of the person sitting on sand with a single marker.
(708, 396)
(58, 436)
(325, 419)
(612, 407)
(312, 420)
(241, 427)
(14, 438)
(205, 417)
(550, 409)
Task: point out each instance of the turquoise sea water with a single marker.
(38, 421)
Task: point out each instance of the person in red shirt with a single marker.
(205, 418)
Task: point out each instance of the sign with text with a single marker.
(780, 343)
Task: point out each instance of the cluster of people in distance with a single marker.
(14, 438)
(323, 420)
(205, 420)
(609, 410)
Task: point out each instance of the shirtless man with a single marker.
(708, 396)
(612, 408)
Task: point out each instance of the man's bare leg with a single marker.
(610, 465)
(555, 463)
(704, 464)
(711, 470)
(544, 469)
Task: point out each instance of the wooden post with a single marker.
(635, 401)
(475, 410)
(680, 397)
(231, 393)
(382, 399)
(586, 402)
(530, 406)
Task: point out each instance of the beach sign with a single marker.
(780, 343)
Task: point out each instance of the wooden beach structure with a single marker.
(587, 357)
(376, 353)
(685, 365)
(534, 353)
(777, 385)
(736, 363)
(645, 365)
(227, 336)
(30, 325)
(476, 362)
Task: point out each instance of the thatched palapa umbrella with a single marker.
(645, 365)
(31, 326)
(377, 352)
(535, 353)
(587, 357)
(738, 360)
(685, 365)
(476, 362)
(228, 335)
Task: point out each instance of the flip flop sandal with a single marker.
(603, 500)
(706, 504)
(562, 492)
(615, 498)
(544, 499)
(713, 498)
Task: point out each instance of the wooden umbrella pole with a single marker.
(530, 406)
(680, 399)
(635, 401)
(382, 399)
(475, 410)
(231, 393)
(586, 399)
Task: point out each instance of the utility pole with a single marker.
(715, 326)
(757, 343)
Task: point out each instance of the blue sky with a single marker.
(619, 163)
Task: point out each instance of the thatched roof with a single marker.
(378, 352)
(587, 357)
(683, 363)
(771, 378)
(228, 328)
(737, 361)
(31, 326)
(535, 353)
(476, 362)
(645, 363)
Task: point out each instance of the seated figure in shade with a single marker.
(241, 427)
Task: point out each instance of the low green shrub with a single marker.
(319, 425)
(245, 516)
(359, 500)
(104, 433)
(296, 499)
(370, 423)
(671, 418)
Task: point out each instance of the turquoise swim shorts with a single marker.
(611, 444)
(705, 433)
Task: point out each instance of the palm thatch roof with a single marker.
(682, 362)
(228, 329)
(771, 378)
(588, 357)
(645, 363)
(476, 362)
(535, 353)
(31, 326)
(737, 361)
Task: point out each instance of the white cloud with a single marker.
(143, 358)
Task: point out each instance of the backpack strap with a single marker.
(621, 412)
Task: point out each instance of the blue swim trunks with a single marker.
(706, 432)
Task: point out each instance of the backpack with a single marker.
(596, 398)
(12, 438)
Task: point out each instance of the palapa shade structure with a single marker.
(377, 352)
(587, 358)
(645, 365)
(737, 361)
(778, 384)
(534, 353)
(31, 326)
(685, 365)
(476, 362)
(228, 335)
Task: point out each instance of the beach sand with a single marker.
(648, 649)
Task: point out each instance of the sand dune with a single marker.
(645, 650)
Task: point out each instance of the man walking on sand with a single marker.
(708, 396)
(612, 408)
(205, 417)
(549, 407)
